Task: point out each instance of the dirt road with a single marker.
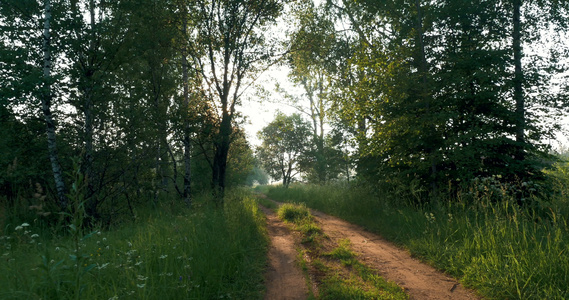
(420, 281)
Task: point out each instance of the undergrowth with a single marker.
(501, 249)
(170, 252)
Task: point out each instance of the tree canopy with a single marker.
(145, 97)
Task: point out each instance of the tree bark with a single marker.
(186, 110)
(220, 159)
(88, 90)
(46, 100)
(425, 95)
(518, 81)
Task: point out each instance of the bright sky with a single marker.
(260, 112)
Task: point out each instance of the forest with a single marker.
(123, 143)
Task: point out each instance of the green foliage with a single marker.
(501, 249)
(286, 142)
(170, 252)
(428, 90)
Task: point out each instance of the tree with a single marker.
(229, 46)
(285, 143)
(28, 64)
(310, 61)
(439, 88)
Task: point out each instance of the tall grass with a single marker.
(169, 253)
(502, 250)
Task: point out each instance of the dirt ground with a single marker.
(285, 280)
(419, 280)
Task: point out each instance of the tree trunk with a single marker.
(220, 158)
(186, 111)
(88, 91)
(425, 95)
(518, 81)
(46, 99)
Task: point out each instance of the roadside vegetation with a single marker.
(169, 252)
(333, 265)
(483, 236)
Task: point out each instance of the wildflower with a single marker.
(25, 225)
(19, 228)
(142, 278)
(35, 235)
(163, 256)
(115, 297)
(141, 285)
(100, 267)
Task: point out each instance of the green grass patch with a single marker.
(293, 213)
(169, 253)
(343, 252)
(502, 250)
(355, 280)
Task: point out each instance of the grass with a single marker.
(169, 253)
(338, 272)
(502, 250)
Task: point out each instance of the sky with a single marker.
(260, 112)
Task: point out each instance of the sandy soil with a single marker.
(285, 280)
(419, 280)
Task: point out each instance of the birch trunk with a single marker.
(46, 108)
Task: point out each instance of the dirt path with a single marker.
(419, 280)
(284, 279)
